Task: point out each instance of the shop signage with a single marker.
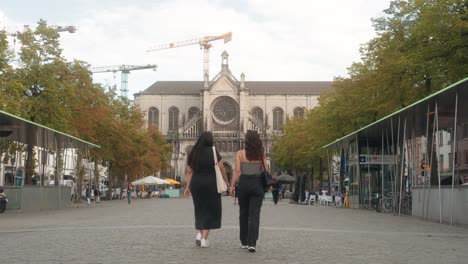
(376, 159)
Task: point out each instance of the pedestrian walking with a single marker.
(201, 182)
(250, 163)
(275, 190)
(72, 190)
(129, 191)
(97, 197)
(88, 194)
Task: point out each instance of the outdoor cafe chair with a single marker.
(312, 199)
(338, 200)
(326, 199)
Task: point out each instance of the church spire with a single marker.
(242, 84)
(225, 61)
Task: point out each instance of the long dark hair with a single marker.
(253, 146)
(204, 140)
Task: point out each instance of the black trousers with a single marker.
(275, 196)
(251, 194)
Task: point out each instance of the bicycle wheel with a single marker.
(387, 204)
(365, 202)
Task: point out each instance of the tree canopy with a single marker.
(39, 84)
(421, 46)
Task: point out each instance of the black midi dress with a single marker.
(206, 199)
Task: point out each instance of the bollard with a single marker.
(347, 200)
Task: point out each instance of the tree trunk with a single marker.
(29, 166)
(58, 167)
(428, 84)
(79, 174)
(431, 158)
(303, 186)
(342, 172)
(320, 175)
(312, 179)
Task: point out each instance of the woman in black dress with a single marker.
(201, 182)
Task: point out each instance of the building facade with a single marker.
(226, 106)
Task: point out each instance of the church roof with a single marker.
(256, 88)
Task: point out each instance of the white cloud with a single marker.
(272, 40)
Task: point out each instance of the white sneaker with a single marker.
(198, 239)
(204, 243)
(244, 246)
(252, 249)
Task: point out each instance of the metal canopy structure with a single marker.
(413, 161)
(18, 129)
(27, 197)
(416, 106)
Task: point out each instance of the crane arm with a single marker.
(204, 42)
(122, 68)
(70, 29)
(227, 37)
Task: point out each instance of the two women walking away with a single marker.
(250, 163)
(201, 182)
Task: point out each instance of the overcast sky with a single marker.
(294, 40)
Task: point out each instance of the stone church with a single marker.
(228, 107)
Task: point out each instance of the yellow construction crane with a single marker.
(125, 71)
(204, 43)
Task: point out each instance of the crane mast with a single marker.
(204, 43)
(125, 71)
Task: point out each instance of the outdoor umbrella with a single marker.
(150, 180)
(286, 179)
(171, 181)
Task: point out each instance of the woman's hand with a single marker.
(231, 191)
(187, 193)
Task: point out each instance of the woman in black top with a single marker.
(201, 182)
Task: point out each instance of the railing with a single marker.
(190, 135)
(191, 122)
(226, 135)
(258, 123)
(277, 133)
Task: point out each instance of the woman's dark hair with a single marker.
(253, 146)
(204, 140)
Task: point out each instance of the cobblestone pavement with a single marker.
(162, 231)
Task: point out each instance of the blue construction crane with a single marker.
(125, 71)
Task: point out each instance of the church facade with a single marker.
(228, 107)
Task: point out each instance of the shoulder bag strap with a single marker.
(215, 156)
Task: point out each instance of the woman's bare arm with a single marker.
(188, 176)
(236, 173)
(223, 171)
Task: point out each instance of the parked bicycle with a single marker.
(377, 202)
(374, 202)
(388, 203)
(406, 204)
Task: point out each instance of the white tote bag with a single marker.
(222, 187)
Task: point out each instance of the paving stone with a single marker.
(162, 231)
